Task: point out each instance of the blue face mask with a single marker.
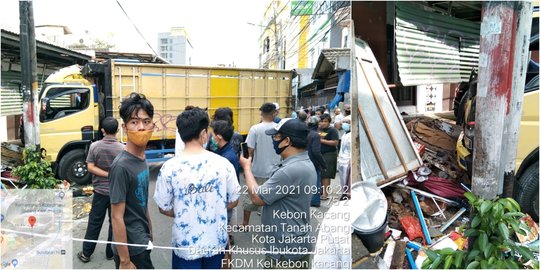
(346, 127)
(276, 146)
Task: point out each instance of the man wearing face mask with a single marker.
(344, 157)
(286, 197)
(196, 189)
(129, 178)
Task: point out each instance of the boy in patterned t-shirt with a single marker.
(196, 189)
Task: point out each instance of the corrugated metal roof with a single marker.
(54, 56)
(328, 61)
(434, 48)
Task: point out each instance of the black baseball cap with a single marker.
(289, 127)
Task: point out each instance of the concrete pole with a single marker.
(33, 71)
(28, 73)
(506, 176)
(496, 70)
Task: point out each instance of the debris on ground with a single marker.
(11, 155)
(429, 203)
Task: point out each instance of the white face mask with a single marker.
(205, 140)
(346, 127)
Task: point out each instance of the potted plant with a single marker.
(35, 171)
(491, 233)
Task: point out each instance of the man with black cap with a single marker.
(286, 197)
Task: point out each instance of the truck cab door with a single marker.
(63, 112)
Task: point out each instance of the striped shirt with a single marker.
(102, 154)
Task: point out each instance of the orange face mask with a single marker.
(140, 138)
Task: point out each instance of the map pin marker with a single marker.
(14, 262)
(31, 221)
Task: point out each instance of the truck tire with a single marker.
(72, 167)
(527, 195)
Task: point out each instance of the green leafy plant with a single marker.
(35, 172)
(492, 229)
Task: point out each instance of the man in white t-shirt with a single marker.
(196, 189)
(261, 149)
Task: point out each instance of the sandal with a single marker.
(83, 258)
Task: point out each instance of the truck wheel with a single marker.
(72, 167)
(527, 195)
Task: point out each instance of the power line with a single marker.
(306, 53)
(311, 19)
(325, 33)
(136, 28)
(344, 4)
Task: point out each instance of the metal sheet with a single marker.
(434, 48)
(386, 148)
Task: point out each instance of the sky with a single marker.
(219, 30)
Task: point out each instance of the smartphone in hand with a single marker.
(244, 148)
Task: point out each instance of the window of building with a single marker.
(170, 48)
(404, 95)
(163, 48)
(164, 55)
(170, 55)
(164, 41)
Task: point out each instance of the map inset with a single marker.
(35, 230)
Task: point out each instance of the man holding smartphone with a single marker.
(286, 197)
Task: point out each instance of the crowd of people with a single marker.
(288, 169)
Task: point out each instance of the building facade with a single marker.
(175, 46)
(294, 35)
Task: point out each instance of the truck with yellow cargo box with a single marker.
(73, 100)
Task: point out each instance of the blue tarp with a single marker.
(344, 83)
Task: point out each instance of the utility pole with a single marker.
(28, 73)
(501, 68)
(512, 120)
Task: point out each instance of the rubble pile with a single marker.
(429, 216)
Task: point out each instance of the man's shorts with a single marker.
(330, 159)
(247, 203)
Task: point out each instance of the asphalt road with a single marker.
(161, 258)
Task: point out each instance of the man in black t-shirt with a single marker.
(329, 141)
(129, 179)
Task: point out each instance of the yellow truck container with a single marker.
(73, 100)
